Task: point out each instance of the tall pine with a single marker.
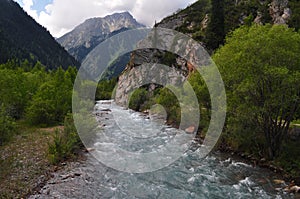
(215, 32)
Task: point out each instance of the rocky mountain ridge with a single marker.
(86, 36)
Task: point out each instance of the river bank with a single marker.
(24, 162)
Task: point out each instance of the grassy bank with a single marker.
(25, 163)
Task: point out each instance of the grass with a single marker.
(24, 161)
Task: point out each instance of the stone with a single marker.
(279, 11)
(277, 181)
(64, 177)
(190, 130)
(90, 149)
(293, 189)
(258, 18)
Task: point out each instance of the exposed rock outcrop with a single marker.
(258, 18)
(204, 22)
(279, 11)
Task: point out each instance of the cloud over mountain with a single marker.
(61, 16)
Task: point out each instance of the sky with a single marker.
(61, 16)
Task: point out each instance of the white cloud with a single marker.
(27, 7)
(62, 16)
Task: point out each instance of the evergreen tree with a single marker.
(215, 32)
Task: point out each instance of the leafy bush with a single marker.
(66, 142)
(260, 69)
(137, 98)
(105, 89)
(52, 101)
(7, 126)
(169, 101)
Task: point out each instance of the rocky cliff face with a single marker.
(154, 68)
(280, 12)
(85, 37)
(193, 21)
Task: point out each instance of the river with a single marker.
(215, 176)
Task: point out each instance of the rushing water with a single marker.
(215, 176)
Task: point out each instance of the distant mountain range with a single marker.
(86, 36)
(21, 37)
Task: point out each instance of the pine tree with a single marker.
(215, 32)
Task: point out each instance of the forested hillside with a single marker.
(21, 37)
(209, 21)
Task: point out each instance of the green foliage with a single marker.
(169, 101)
(215, 32)
(65, 142)
(168, 59)
(137, 99)
(203, 97)
(225, 16)
(33, 94)
(289, 159)
(7, 126)
(294, 22)
(13, 91)
(105, 89)
(53, 100)
(260, 66)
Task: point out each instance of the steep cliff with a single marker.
(195, 21)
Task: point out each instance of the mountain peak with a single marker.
(86, 36)
(125, 13)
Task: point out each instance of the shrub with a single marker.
(7, 126)
(66, 142)
(137, 98)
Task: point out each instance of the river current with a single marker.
(215, 176)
